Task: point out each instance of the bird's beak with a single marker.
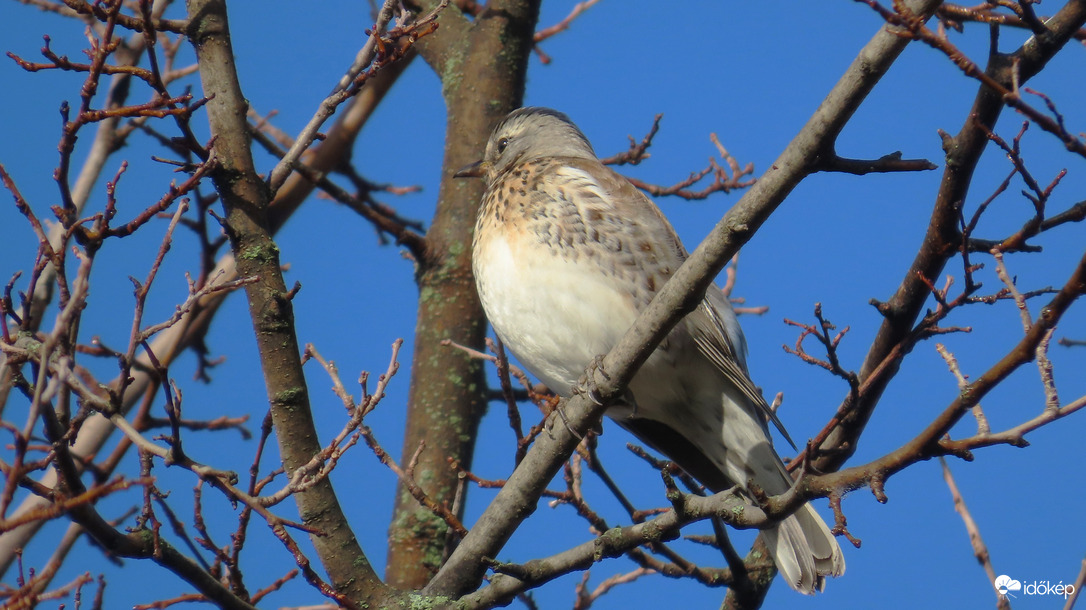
(475, 170)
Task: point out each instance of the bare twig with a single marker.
(376, 53)
(980, 550)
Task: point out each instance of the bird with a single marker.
(566, 253)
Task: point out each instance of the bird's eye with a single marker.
(502, 144)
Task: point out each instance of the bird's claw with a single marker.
(586, 385)
(588, 381)
(565, 420)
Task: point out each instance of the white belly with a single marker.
(554, 314)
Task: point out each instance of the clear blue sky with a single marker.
(751, 73)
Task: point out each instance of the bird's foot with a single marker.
(587, 383)
(565, 420)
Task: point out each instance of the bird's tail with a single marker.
(805, 551)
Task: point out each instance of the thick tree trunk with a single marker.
(482, 65)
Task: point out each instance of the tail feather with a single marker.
(805, 551)
(802, 547)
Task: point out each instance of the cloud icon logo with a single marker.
(1005, 584)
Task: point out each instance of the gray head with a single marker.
(526, 134)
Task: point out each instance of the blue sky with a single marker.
(750, 72)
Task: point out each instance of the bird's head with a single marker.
(526, 134)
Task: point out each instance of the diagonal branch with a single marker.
(980, 550)
(376, 53)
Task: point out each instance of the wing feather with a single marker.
(710, 332)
